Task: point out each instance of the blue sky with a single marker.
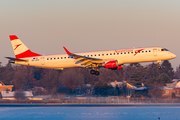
(46, 26)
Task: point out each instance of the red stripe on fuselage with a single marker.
(27, 53)
(13, 37)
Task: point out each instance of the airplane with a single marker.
(111, 59)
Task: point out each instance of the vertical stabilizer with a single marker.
(20, 50)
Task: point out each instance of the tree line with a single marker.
(57, 81)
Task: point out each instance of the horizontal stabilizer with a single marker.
(16, 59)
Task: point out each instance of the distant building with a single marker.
(10, 95)
(167, 92)
(126, 88)
(4, 87)
(173, 84)
(115, 83)
(172, 89)
(176, 90)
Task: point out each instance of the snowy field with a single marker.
(90, 113)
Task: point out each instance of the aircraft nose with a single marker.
(173, 55)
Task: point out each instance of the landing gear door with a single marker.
(155, 52)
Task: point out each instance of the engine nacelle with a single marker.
(113, 65)
(118, 68)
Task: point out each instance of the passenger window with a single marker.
(149, 50)
(110, 53)
(106, 54)
(95, 55)
(132, 52)
(91, 55)
(102, 54)
(58, 58)
(117, 53)
(54, 58)
(124, 52)
(47, 58)
(61, 57)
(51, 58)
(114, 53)
(64, 57)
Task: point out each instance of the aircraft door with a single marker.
(155, 52)
(42, 60)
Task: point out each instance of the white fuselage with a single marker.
(123, 56)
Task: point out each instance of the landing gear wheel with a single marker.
(159, 67)
(92, 71)
(97, 72)
(159, 62)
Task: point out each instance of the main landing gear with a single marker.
(95, 72)
(95, 69)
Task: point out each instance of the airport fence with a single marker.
(118, 100)
(104, 100)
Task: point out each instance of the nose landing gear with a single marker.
(159, 67)
(159, 62)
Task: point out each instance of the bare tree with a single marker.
(177, 73)
(19, 95)
(71, 78)
(155, 91)
(108, 76)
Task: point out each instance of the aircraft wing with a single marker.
(83, 60)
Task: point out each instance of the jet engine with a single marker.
(113, 64)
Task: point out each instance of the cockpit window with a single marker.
(164, 49)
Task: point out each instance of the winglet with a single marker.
(69, 53)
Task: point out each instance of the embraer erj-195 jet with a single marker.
(112, 59)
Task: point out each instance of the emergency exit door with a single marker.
(42, 60)
(155, 52)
